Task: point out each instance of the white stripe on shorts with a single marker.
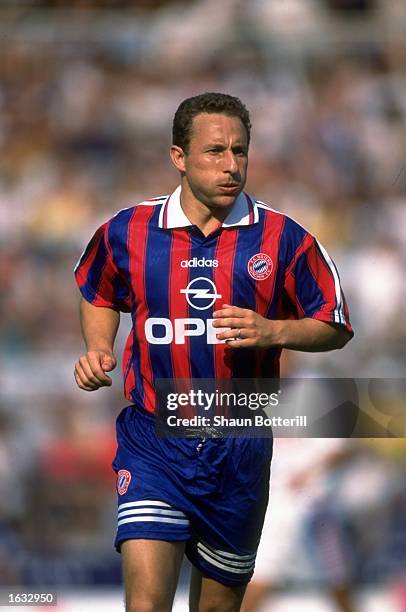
(242, 564)
(144, 502)
(233, 570)
(155, 511)
(223, 553)
(152, 519)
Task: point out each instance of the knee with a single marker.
(138, 605)
(218, 604)
(144, 603)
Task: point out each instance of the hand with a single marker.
(90, 370)
(248, 329)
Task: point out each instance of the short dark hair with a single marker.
(209, 102)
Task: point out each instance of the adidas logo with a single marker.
(199, 263)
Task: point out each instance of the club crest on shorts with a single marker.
(123, 481)
(260, 266)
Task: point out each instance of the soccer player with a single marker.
(217, 284)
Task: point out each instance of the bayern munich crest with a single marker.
(123, 481)
(260, 266)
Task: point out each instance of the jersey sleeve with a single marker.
(313, 286)
(97, 276)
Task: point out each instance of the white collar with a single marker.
(243, 212)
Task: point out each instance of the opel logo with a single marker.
(201, 293)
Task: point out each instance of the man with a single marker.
(217, 284)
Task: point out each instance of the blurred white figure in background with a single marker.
(302, 485)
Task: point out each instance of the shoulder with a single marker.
(290, 227)
(141, 209)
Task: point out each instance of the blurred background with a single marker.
(88, 90)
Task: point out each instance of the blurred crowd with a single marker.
(87, 94)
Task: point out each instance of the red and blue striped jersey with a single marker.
(149, 260)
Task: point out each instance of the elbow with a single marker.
(343, 337)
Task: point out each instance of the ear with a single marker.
(178, 157)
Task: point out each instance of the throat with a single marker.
(209, 227)
(207, 220)
(207, 217)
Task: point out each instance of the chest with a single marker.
(183, 273)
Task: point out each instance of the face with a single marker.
(215, 166)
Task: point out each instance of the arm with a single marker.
(308, 335)
(258, 332)
(99, 329)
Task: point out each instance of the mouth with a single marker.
(230, 188)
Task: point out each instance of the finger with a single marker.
(87, 374)
(96, 360)
(81, 385)
(87, 379)
(81, 380)
(228, 322)
(230, 311)
(245, 343)
(108, 364)
(234, 334)
(92, 368)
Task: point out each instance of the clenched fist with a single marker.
(90, 369)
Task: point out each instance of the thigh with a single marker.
(208, 594)
(151, 570)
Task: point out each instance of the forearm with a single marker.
(99, 326)
(307, 335)
(248, 329)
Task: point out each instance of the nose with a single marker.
(230, 163)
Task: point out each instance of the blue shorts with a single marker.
(210, 493)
